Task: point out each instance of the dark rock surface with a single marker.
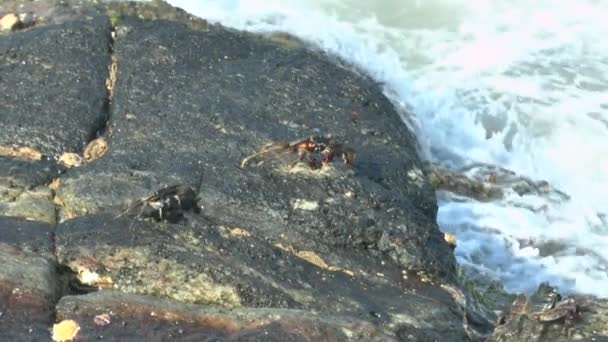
(52, 90)
(28, 280)
(26, 174)
(207, 264)
(189, 105)
(24, 188)
(149, 318)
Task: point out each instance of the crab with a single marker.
(545, 306)
(168, 203)
(317, 151)
(566, 309)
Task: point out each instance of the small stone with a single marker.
(9, 22)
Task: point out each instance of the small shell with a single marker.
(21, 152)
(65, 330)
(95, 149)
(69, 159)
(350, 194)
(450, 239)
(9, 22)
(101, 320)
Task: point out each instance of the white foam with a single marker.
(538, 66)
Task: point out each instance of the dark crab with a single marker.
(545, 306)
(566, 310)
(168, 204)
(317, 151)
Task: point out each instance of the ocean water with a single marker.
(518, 84)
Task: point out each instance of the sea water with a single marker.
(518, 84)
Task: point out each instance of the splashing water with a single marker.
(516, 84)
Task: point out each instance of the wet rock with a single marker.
(28, 287)
(484, 182)
(23, 189)
(166, 130)
(110, 315)
(52, 92)
(540, 318)
(199, 262)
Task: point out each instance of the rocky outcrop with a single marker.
(277, 250)
(190, 105)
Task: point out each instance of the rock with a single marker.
(53, 84)
(127, 317)
(484, 182)
(35, 204)
(166, 131)
(28, 280)
(202, 263)
(9, 22)
(24, 191)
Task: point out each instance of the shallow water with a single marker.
(517, 84)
